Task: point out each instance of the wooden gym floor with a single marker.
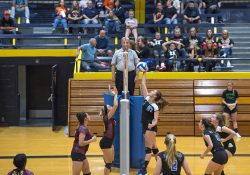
(49, 152)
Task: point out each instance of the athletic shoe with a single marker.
(27, 21)
(238, 135)
(142, 172)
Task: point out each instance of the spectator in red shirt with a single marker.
(209, 37)
(109, 4)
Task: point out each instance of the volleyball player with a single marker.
(81, 144)
(20, 161)
(150, 112)
(226, 134)
(229, 99)
(106, 143)
(170, 161)
(212, 141)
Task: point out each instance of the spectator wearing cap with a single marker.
(20, 161)
(102, 44)
(7, 24)
(20, 6)
(191, 14)
(61, 12)
(74, 17)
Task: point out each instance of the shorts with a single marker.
(106, 143)
(78, 156)
(230, 146)
(220, 157)
(145, 128)
(228, 111)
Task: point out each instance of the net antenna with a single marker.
(124, 121)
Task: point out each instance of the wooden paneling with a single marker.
(87, 96)
(207, 100)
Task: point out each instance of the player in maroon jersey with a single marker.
(81, 145)
(106, 143)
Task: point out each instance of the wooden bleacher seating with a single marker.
(189, 100)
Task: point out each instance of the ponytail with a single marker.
(171, 153)
(81, 117)
(207, 124)
(104, 111)
(160, 101)
(222, 119)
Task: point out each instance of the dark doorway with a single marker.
(39, 109)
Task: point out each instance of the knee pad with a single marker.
(108, 166)
(155, 151)
(148, 150)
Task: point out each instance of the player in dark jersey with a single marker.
(106, 143)
(153, 103)
(229, 99)
(81, 145)
(226, 134)
(213, 144)
(170, 161)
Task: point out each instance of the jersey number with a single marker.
(174, 166)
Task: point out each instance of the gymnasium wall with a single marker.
(190, 96)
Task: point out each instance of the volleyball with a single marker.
(142, 66)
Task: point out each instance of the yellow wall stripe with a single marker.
(38, 53)
(218, 100)
(170, 75)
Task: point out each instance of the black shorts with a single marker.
(106, 143)
(228, 111)
(78, 156)
(230, 146)
(220, 157)
(145, 128)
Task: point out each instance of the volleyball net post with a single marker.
(124, 122)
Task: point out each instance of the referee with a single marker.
(118, 67)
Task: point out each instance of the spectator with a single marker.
(7, 25)
(20, 6)
(132, 45)
(20, 161)
(118, 67)
(209, 37)
(172, 54)
(178, 38)
(212, 7)
(74, 17)
(225, 44)
(131, 25)
(102, 44)
(83, 4)
(144, 52)
(60, 17)
(185, 3)
(109, 4)
(100, 6)
(194, 52)
(89, 53)
(119, 11)
(170, 13)
(112, 23)
(158, 15)
(191, 14)
(210, 53)
(193, 38)
(90, 15)
(158, 53)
